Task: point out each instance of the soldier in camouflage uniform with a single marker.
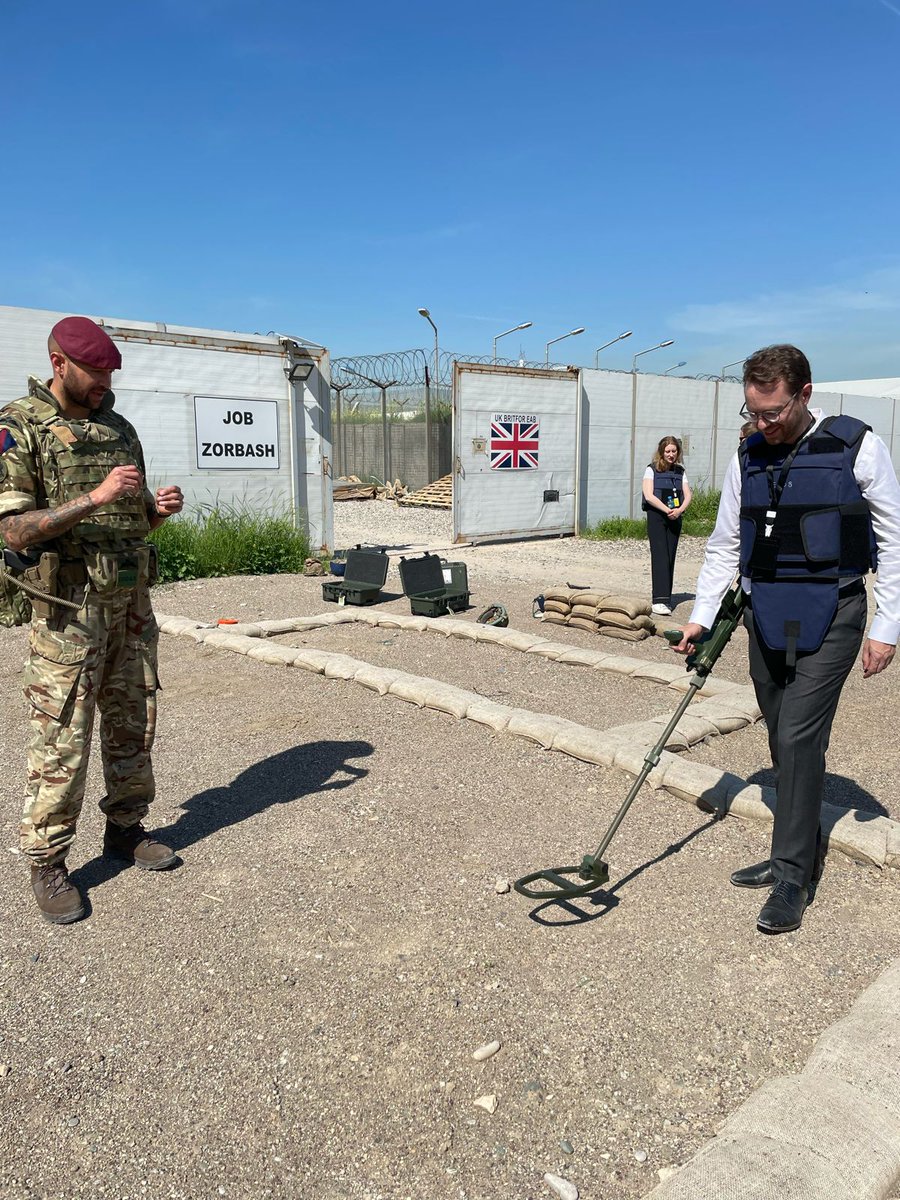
(72, 492)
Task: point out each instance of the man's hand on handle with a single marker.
(692, 632)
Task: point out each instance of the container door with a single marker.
(514, 451)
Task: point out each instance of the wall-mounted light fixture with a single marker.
(299, 370)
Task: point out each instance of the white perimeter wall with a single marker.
(623, 418)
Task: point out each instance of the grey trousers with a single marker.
(799, 707)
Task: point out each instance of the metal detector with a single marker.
(593, 871)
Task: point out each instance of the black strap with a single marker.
(791, 634)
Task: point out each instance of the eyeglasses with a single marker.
(772, 417)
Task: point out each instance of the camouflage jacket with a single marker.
(47, 459)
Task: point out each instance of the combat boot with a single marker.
(58, 899)
(134, 844)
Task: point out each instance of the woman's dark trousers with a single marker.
(663, 535)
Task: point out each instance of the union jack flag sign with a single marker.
(514, 442)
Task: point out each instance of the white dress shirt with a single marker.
(877, 481)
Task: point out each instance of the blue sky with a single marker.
(726, 175)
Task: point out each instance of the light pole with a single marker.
(423, 312)
(727, 365)
(435, 383)
(562, 336)
(385, 440)
(620, 338)
(649, 350)
(683, 363)
(524, 325)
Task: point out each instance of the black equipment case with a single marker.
(364, 577)
(434, 587)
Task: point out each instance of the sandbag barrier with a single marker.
(868, 838)
(609, 613)
(832, 1130)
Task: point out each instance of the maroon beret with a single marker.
(83, 339)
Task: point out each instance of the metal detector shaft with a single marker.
(593, 872)
(651, 759)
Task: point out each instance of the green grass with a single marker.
(698, 521)
(229, 541)
(701, 516)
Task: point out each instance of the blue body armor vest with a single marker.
(667, 484)
(797, 547)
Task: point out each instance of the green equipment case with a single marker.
(456, 581)
(364, 575)
(434, 587)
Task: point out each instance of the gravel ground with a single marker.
(293, 1012)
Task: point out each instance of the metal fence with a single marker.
(391, 418)
(392, 412)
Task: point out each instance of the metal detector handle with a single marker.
(708, 649)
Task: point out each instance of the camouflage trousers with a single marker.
(103, 656)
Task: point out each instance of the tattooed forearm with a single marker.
(31, 528)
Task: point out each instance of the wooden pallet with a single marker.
(436, 495)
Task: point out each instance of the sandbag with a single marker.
(557, 606)
(629, 606)
(444, 697)
(609, 616)
(591, 599)
(340, 666)
(625, 635)
(537, 727)
(312, 660)
(587, 611)
(577, 656)
(589, 745)
(489, 712)
(560, 593)
(583, 623)
(377, 679)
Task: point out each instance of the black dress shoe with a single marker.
(783, 911)
(758, 876)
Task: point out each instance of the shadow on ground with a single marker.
(838, 789)
(300, 771)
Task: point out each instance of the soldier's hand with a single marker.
(169, 501)
(121, 481)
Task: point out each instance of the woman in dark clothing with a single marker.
(667, 495)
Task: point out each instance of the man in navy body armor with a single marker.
(809, 505)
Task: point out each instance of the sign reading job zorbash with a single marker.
(236, 435)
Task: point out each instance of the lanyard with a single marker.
(776, 488)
